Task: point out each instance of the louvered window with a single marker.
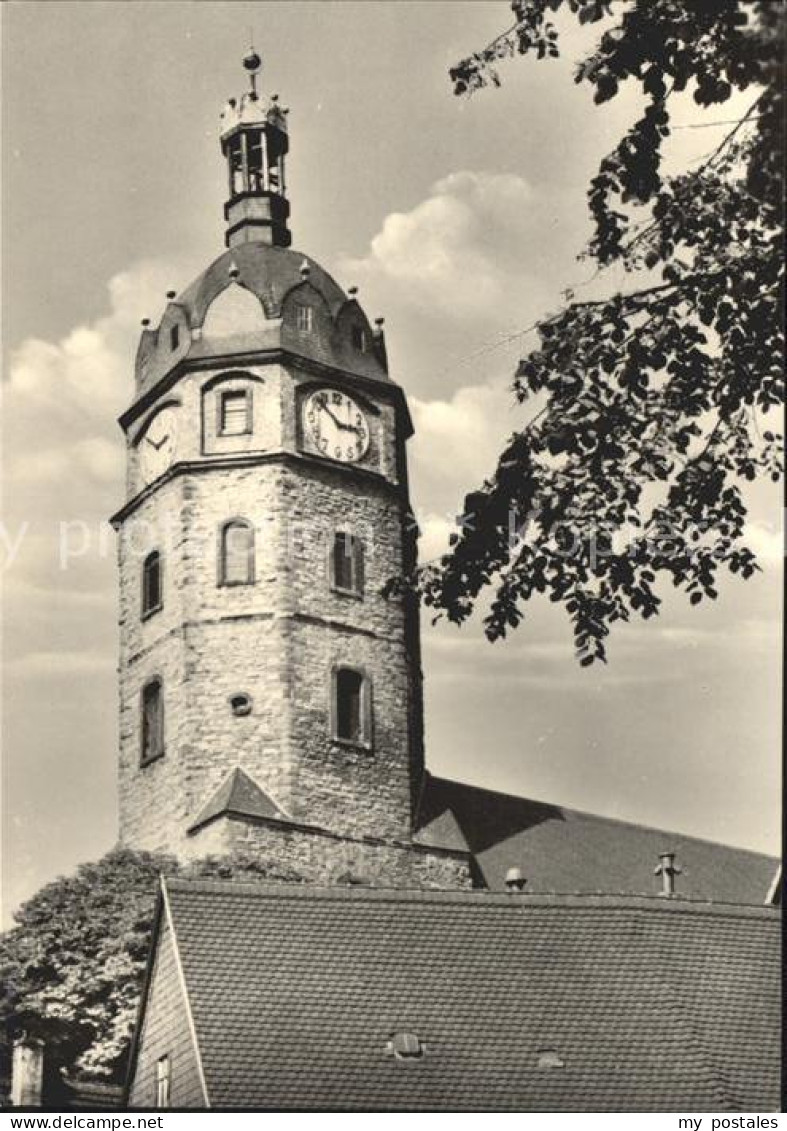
(236, 553)
(152, 721)
(304, 318)
(347, 563)
(151, 584)
(235, 412)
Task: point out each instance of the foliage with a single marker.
(649, 401)
(72, 966)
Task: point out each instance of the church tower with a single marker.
(270, 695)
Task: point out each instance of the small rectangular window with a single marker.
(347, 564)
(359, 338)
(174, 336)
(351, 707)
(151, 584)
(304, 318)
(163, 1079)
(235, 412)
(152, 721)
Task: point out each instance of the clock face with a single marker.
(157, 446)
(337, 426)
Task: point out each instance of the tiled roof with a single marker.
(642, 1004)
(240, 795)
(562, 850)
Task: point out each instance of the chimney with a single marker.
(27, 1073)
(668, 870)
(515, 881)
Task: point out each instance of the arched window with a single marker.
(152, 595)
(347, 563)
(352, 713)
(152, 745)
(236, 553)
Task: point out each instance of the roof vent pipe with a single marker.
(668, 870)
(515, 881)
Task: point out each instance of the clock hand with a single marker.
(160, 444)
(340, 423)
(333, 416)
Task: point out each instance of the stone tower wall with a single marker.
(276, 641)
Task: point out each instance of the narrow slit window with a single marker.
(163, 1081)
(304, 318)
(174, 337)
(236, 553)
(347, 563)
(351, 706)
(152, 721)
(235, 412)
(152, 598)
(359, 338)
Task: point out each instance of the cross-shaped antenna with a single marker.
(668, 870)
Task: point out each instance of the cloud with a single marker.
(63, 454)
(456, 444)
(64, 396)
(766, 541)
(466, 250)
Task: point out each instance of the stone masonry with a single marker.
(278, 640)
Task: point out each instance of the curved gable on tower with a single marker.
(235, 310)
(249, 299)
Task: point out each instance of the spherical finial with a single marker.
(274, 98)
(352, 291)
(252, 62)
(146, 322)
(379, 323)
(171, 295)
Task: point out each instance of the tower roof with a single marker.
(268, 272)
(254, 143)
(278, 278)
(252, 108)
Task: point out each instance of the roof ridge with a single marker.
(655, 903)
(603, 817)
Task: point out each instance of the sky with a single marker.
(461, 221)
